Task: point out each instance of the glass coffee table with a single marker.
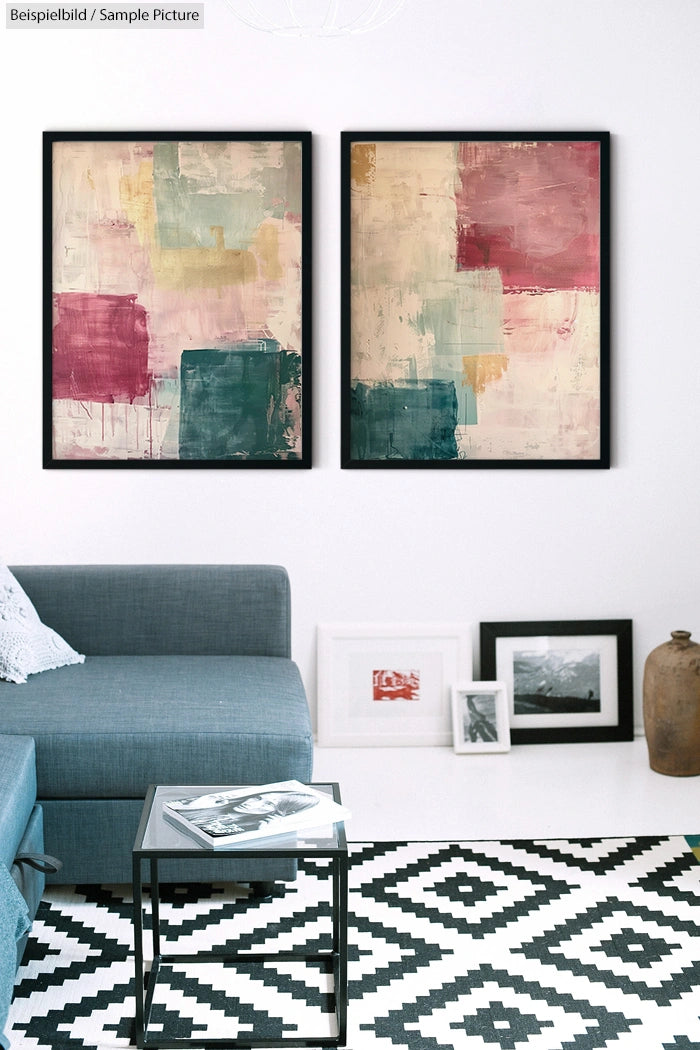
(158, 839)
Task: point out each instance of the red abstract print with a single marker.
(395, 685)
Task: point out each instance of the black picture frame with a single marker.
(538, 659)
(177, 299)
(429, 378)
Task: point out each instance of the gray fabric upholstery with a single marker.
(21, 827)
(187, 679)
(111, 727)
(111, 610)
(17, 792)
(30, 881)
(14, 924)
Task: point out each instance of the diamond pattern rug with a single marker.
(545, 945)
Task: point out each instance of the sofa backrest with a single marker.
(111, 610)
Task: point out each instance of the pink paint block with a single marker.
(575, 266)
(100, 348)
(531, 211)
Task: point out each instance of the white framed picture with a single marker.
(480, 717)
(385, 685)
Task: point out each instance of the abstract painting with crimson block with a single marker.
(475, 299)
(177, 299)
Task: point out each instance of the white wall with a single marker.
(403, 545)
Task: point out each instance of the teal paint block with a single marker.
(411, 420)
(238, 403)
(189, 207)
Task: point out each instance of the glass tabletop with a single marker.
(157, 836)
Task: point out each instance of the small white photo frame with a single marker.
(480, 717)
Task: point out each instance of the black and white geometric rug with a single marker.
(549, 945)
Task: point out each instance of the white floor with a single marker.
(532, 791)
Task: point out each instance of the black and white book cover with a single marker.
(227, 817)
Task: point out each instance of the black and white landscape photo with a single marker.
(551, 681)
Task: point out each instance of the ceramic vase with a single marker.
(672, 706)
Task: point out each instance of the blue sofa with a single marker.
(21, 835)
(187, 680)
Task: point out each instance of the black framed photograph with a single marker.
(475, 299)
(567, 681)
(177, 299)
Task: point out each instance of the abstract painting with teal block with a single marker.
(180, 299)
(474, 292)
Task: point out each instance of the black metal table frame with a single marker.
(335, 961)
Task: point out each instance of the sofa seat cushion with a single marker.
(114, 725)
(17, 792)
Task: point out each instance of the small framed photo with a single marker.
(568, 681)
(480, 717)
(389, 684)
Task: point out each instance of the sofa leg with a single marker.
(262, 890)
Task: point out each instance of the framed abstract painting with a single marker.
(475, 299)
(177, 299)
